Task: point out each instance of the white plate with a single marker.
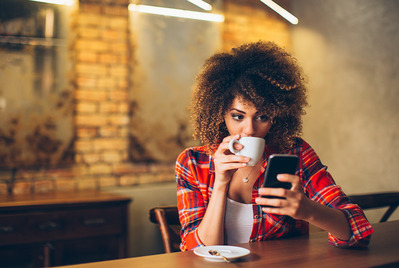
(230, 252)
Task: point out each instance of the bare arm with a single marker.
(298, 206)
(211, 228)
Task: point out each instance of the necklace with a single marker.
(246, 178)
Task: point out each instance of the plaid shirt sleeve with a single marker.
(192, 171)
(320, 187)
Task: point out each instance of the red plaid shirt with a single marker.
(195, 178)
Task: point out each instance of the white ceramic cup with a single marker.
(253, 148)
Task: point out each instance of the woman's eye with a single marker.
(263, 118)
(237, 116)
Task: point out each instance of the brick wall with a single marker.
(251, 20)
(101, 52)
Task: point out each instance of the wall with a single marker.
(349, 51)
(103, 48)
(102, 51)
(168, 53)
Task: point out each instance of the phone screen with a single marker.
(280, 164)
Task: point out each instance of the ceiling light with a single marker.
(202, 4)
(284, 13)
(177, 13)
(57, 2)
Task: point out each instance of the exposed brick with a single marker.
(86, 81)
(65, 184)
(108, 107)
(129, 180)
(120, 48)
(123, 107)
(90, 95)
(111, 156)
(91, 158)
(84, 146)
(100, 168)
(128, 168)
(116, 10)
(44, 186)
(89, 19)
(91, 68)
(163, 168)
(89, 33)
(108, 58)
(108, 181)
(117, 23)
(86, 132)
(109, 131)
(3, 188)
(110, 144)
(102, 52)
(87, 56)
(115, 35)
(86, 107)
(22, 187)
(119, 70)
(119, 119)
(118, 95)
(89, 183)
(123, 131)
(90, 120)
(107, 82)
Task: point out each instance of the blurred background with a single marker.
(93, 93)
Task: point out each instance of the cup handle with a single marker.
(231, 146)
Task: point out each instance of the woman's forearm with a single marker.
(211, 229)
(331, 220)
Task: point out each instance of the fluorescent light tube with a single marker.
(281, 11)
(202, 4)
(57, 2)
(176, 13)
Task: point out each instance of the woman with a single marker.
(256, 90)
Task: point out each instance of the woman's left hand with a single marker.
(294, 203)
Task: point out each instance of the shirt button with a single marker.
(256, 216)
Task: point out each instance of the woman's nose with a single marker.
(249, 128)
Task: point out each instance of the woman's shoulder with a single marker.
(197, 153)
(301, 147)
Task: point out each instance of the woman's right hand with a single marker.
(226, 163)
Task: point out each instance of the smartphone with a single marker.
(280, 164)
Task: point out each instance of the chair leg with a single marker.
(388, 213)
(160, 214)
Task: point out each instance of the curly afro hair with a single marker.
(260, 73)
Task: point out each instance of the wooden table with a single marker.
(312, 251)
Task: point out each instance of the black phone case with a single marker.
(279, 164)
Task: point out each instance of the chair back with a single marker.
(378, 200)
(167, 218)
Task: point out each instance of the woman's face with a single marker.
(243, 118)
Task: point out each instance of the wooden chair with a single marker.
(378, 200)
(167, 218)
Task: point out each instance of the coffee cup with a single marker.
(253, 148)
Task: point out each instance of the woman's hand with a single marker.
(226, 163)
(300, 207)
(294, 203)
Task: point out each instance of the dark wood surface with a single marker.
(312, 251)
(62, 228)
(58, 199)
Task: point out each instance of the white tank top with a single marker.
(238, 222)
